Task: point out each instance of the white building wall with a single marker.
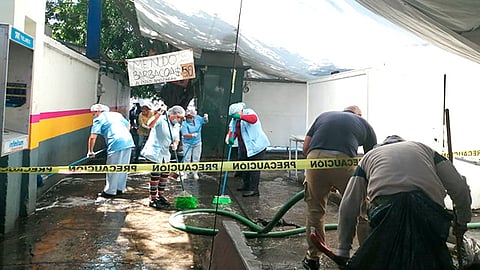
(70, 79)
(405, 96)
(281, 108)
(115, 94)
(336, 92)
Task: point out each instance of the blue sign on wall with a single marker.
(21, 38)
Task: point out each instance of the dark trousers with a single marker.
(251, 179)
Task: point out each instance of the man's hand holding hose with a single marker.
(341, 259)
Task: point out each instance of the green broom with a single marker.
(225, 199)
(185, 200)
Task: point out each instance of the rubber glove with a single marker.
(236, 116)
(231, 140)
(342, 258)
(90, 154)
(145, 126)
(342, 262)
(194, 135)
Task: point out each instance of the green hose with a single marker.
(256, 231)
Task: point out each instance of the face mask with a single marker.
(189, 120)
(174, 121)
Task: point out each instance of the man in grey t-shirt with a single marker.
(406, 183)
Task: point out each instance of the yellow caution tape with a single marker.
(467, 153)
(217, 166)
(261, 165)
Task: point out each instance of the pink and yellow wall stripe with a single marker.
(48, 125)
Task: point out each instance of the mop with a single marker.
(225, 199)
(185, 200)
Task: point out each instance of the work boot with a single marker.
(106, 195)
(157, 205)
(160, 203)
(311, 264)
(173, 176)
(251, 193)
(162, 200)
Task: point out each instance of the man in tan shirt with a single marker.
(406, 183)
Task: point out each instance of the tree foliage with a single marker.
(120, 35)
(68, 20)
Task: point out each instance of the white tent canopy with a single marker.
(449, 24)
(304, 39)
(297, 40)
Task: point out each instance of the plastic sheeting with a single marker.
(297, 40)
(451, 25)
(305, 39)
(472, 252)
(408, 231)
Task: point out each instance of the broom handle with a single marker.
(174, 151)
(79, 161)
(224, 184)
(449, 135)
(185, 153)
(459, 239)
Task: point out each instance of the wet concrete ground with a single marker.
(73, 229)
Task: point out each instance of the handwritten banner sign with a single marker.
(161, 68)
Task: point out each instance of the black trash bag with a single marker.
(472, 253)
(409, 231)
